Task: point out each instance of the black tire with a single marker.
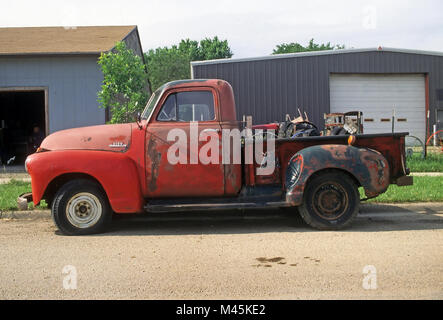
(86, 200)
(330, 201)
(293, 216)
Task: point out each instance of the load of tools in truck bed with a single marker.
(335, 124)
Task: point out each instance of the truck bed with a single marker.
(390, 145)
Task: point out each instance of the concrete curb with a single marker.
(25, 215)
(421, 207)
(7, 180)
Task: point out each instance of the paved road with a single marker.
(258, 256)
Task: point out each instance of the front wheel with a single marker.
(80, 207)
(330, 201)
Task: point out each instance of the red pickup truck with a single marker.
(88, 174)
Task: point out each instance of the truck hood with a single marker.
(110, 137)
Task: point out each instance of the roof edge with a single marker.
(75, 26)
(125, 37)
(40, 54)
(131, 28)
(316, 53)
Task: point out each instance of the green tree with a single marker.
(213, 49)
(173, 63)
(125, 88)
(312, 46)
(166, 64)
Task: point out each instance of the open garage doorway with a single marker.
(23, 122)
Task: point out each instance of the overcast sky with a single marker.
(253, 28)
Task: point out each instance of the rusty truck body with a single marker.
(88, 174)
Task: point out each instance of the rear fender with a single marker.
(368, 167)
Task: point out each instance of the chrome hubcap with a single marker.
(83, 210)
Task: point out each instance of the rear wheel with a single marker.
(330, 201)
(81, 207)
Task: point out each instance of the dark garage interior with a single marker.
(22, 124)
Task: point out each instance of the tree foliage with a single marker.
(125, 88)
(173, 63)
(312, 46)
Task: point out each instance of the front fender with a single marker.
(116, 172)
(367, 166)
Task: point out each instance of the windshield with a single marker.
(151, 103)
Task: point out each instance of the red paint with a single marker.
(90, 138)
(116, 172)
(269, 126)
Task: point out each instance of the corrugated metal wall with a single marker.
(72, 81)
(270, 88)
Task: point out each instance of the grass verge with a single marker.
(424, 189)
(10, 191)
(432, 163)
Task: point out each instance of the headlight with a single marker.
(26, 165)
(40, 149)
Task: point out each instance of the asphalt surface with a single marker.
(254, 255)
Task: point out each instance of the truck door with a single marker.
(190, 111)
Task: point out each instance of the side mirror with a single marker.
(138, 119)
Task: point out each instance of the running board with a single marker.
(211, 206)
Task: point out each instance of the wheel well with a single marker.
(328, 170)
(59, 181)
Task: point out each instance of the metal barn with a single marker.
(375, 81)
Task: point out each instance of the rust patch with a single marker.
(369, 167)
(155, 158)
(230, 178)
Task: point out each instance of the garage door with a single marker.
(377, 95)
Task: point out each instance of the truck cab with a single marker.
(207, 105)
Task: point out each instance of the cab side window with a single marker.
(188, 106)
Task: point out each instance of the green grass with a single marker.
(432, 163)
(9, 193)
(424, 189)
